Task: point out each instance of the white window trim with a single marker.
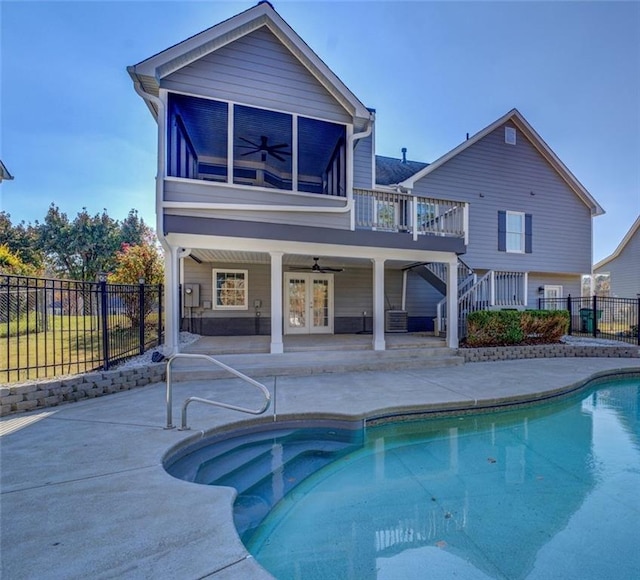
(522, 234)
(215, 305)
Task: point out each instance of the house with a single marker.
(277, 217)
(4, 173)
(623, 266)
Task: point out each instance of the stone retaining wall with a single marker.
(50, 393)
(495, 353)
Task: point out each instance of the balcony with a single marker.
(399, 212)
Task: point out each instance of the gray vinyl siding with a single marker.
(353, 289)
(624, 270)
(197, 192)
(571, 286)
(363, 164)
(258, 70)
(492, 176)
(259, 276)
(422, 298)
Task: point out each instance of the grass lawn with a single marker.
(69, 345)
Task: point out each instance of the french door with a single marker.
(308, 303)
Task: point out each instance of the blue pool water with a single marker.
(544, 492)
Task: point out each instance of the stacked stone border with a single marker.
(51, 393)
(54, 392)
(497, 353)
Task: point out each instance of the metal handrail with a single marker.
(234, 372)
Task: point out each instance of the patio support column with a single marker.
(172, 293)
(276, 303)
(378, 304)
(452, 303)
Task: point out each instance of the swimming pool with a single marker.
(548, 491)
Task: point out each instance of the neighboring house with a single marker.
(623, 266)
(4, 173)
(276, 216)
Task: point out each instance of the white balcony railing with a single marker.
(399, 212)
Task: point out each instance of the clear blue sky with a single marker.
(74, 132)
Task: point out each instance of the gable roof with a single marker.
(4, 172)
(528, 131)
(149, 72)
(390, 170)
(627, 238)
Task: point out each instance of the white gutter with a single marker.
(137, 85)
(254, 207)
(172, 280)
(351, 139)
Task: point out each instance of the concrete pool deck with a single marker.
(84, 493)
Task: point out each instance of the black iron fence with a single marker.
(54, 327)
(600, 316)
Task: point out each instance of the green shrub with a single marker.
(509, 327)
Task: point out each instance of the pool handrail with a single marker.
(169, 394)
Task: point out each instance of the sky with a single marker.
(73, 132)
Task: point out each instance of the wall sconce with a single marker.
(531, 193)
(540, 289)
(481, 194)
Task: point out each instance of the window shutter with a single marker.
(528, 234)
(502, 231)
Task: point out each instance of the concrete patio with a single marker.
(84, 493)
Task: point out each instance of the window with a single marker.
(515, 232)
(269, 149)
(230, 290)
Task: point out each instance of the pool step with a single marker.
(264, 466)
(310, 362)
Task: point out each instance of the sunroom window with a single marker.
(269, 148)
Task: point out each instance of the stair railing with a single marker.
(188, 400)
(495, 288)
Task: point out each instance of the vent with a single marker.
(510, 135)
(396, 321)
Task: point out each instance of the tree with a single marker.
(138, 261)
(12, 264)
(82, 248)
(134, 263)
(22, 241)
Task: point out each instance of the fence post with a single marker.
(159, 314)
(141, 314)
(104, 322)
(595, 316)
(638, 321)
(570, 317)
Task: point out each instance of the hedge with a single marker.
(509, 327)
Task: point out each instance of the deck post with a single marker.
(452, 303)
(277, 346)
(378, 304)
(172, 290)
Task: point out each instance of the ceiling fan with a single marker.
(264, 148)
(319, 269)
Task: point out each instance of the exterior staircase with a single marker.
(495, 289)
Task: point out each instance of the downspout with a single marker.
(171, 286)
(351, 139)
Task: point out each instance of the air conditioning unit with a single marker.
(395, 321)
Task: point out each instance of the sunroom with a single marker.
(224, 142)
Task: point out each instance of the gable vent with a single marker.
(510, 135)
